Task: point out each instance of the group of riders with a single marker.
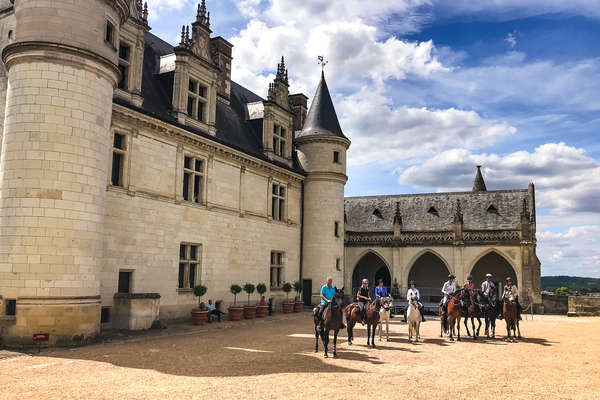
(488, 290)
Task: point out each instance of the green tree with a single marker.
(562, 291)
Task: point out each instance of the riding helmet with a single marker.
(411, 283)
(469, 277)
(365, 280)
(451, 276)
(509, 279)
(488, 275)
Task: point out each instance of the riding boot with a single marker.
(422, 314)
(364, 316)
(405, 319)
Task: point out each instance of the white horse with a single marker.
(385, 315)
(413, 317)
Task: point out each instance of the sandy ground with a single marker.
(275, 359)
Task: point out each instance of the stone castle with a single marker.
(133, 168)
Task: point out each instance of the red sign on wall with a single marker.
(41, 337)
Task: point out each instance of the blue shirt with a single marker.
(380, 292)
(328, 293)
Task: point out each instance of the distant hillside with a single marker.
(572, 283)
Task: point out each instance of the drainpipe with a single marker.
(301, 227)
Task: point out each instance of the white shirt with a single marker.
(412, 292)
(487, 287)
(510, 292)
(449, 288)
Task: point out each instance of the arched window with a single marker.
(433, 211)
(492, 209)
(377, 213)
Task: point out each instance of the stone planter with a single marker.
(199, 317)
(235, 313)
(135, 311)
(249, 312)
(288, 307)
(298, 306)
(261, 311)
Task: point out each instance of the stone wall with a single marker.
(580, 306)
(555, 304)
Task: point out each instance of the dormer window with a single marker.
(377, 213)
(279, 140)
(492, 209)
(196, 105)
(433, 211)
(124, 55)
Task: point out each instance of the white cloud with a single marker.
(574, 252)
(403, 133)
(566, 179)
(156, 8)
(511, 39)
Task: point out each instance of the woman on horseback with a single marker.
(413, 291)
(362, 296)
(511, 293)
(448, 290)
(380, 290)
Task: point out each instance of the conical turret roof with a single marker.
(479, 184)
(322, 119)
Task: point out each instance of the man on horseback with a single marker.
(380, 290)
(413, 291)
(448, 290)
(326, 294)
(487, 287)
(363, 298)
(510, 293)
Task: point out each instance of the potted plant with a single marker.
(262, 307)
(249, 311)
(287, 305)
(298, 304)
(199, 314)
(235, 312)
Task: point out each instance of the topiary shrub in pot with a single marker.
(298, 304)
(288, 306)
(235, 311)
(262, 308)
(199, 314)
(249, 311)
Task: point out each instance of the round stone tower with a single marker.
(61, 69)
(322, 150)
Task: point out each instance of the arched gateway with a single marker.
(429, 272)
(372, 267)
(495, 264)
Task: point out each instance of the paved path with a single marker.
(274, 359)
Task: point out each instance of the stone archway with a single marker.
(495, 264)
(372, 267)
(429, 272)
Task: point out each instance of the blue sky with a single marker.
(427, 89)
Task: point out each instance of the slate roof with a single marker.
(234, 129)
(322, 118)
(361, 214)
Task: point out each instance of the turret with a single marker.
(478, 183)
(322, 148)
(62, 69)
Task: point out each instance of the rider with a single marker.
(448, 290)
(487, 287)
(413, 291)
(363, 298)
(326, 295)
(469, 287)
(380, 290)
(510, 292)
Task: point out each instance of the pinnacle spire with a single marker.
(397, 216)
(201, 16)
(478, 183)
(458, 216)
(322, 119)
(282, 73)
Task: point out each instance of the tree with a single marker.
(199, 291)
(287, 288)
(235, 289)
(562, 291)
(249, 288)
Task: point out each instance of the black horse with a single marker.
(472, 310)
(489, 306)
(332, 319)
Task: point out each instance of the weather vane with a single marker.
(322, 62)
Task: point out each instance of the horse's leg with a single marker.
(518, 328)
(325, 341)
(458, 327)
(316, 339)
(387, 329)
(335, 334)
(487, 326)
(479, 325)
(349, 329)
(466, 326)
(417, 329)
(380, 329)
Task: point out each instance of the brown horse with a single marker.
(353, 316)
(511, 318)
(332, 319)
(452, 318)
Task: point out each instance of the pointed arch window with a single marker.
(492, 209)
(433, 211)
(378, 213)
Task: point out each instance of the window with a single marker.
(336, 157)
(278, 202)
(109, 35)
(338, 264)
(118, 159)
(196, 104)
(124, 281)
(336, 229)
(10, 35)
(279, 140)
(105, 315)
(433, 211)
(189, 256)
(124, 54)
(276, 269)
(193, 179)
(378, 213)
(11, 307)
(492, 209)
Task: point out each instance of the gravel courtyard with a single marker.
(275, 359)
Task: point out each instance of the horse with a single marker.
(452, 316)
(471, 310)
(352, 312)
(511, 318)
(413, 316)
(489, 308)
(332, 320)
(385, 316)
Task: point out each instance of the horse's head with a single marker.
(414, 302)
(377, 303)
(458, 295)
(387, 302)
(338, 298)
